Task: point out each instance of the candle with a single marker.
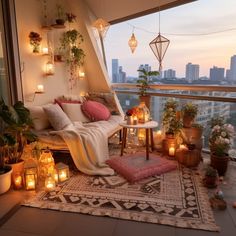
(17, 181)
(40, 88)
(50, 183)
(30, 182)
(45, 51)
(171, 151)
(62, 176)
(159, 135)
(81, 74)
(182, 147)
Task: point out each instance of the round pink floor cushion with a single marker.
(95, 111)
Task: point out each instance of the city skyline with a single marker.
(207, 49)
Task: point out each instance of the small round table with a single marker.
(148, 126)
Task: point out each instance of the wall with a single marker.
(30, 18)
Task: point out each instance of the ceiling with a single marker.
(115, 11)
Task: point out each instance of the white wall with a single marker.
(30, 18)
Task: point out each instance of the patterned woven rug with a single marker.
(176, 198)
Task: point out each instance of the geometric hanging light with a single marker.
(102, 26)
(159, 45)
(133, 43)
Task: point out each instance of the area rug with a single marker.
(176, 198)
(135, 167)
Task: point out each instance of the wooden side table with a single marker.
(148, 126)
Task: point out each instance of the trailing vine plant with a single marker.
(73, 54)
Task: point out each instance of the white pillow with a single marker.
(74, 112)
(39, 118)
(58, 119)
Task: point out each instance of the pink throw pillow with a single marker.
(95, 111)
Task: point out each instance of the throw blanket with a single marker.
(88, 148)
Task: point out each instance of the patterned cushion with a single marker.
(95, 111)
(58, 119)
(135, 167)
(106, 99)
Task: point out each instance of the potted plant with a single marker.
(220, 141)
(196, 131)
(211, 177)
(73, 54)
(17, 124)
(35, 40)
(189, 112)
(143, 84)
(60, 16)
(5, 171)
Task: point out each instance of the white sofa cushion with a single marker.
(58, 119)
(39, 118)
(74, 112)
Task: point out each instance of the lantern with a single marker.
(46, 164)
(50, 183)
(17, 181)
(102, 26)
(133, 43)
(63, 171)
(30, 179)
(143, 113)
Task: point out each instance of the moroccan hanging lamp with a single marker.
(133, 43)
(159, 45)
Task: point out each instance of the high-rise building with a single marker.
(145, 67)
(169, 74)
(115, 71)
(217, 73)
(233, 68)
(122, 75)
(191, 72)
(227, 74)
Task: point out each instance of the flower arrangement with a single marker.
(35, 40)
(220, 139)
(132, 111)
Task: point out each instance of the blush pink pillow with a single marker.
(95, 111)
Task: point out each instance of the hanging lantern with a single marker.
(46, 164)
(159, 46)
(133, 43)
(143, 113)
(102, 26)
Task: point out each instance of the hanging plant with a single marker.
(73, 54)
(35, 40)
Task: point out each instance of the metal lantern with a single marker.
(30, 178)
(62, 171)
(49, 68)
(102, 26)
(50, 183)
(46, 164)
(143, 113)
(17, 180)
(159, 46)
(133, 43)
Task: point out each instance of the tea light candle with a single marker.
(81, 74)
(45, 51)
(171, 151)
(182, 147)
(62, 176)
(40, 88)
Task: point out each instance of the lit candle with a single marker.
(50, 183)
(49, 68)
(55, 176)
(135, 120)
(17, 181)
(62, 176)
(40, 88)
(30, 182)
(159, 135)
(81, 74)
(171, 151)
(182, 147)
(45, 51)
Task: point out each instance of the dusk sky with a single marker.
(200, 17)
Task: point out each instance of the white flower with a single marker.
(223, 134)
(227, 141)
(216, 127)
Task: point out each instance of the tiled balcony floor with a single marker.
(25, 221)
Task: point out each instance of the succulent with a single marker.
(190, 110)
(211, 172)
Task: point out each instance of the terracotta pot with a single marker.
(196, 133)
(146, 100)
(220, 163)
(5, 180)
(189, 158)
(187, 121)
